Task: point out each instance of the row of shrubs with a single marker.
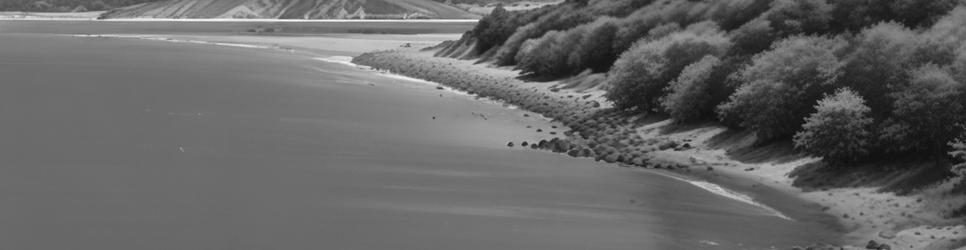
(845, 79)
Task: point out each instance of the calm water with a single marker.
(132, 144)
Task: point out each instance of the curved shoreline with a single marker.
(650, 142)
(643, 142)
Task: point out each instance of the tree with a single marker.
(779, 85)
(959, 152)
(752, 38)
(690, 96)
(594, 50)
(641, 74)
(876, 66)
(838, 131)
(791, 17)
(927, 113)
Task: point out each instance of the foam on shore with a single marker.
(727, 193)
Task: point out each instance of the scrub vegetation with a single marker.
(782, 69)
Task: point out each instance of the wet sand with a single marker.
(190, 146)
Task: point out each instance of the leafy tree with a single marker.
(548, 55)
(790, 17)
(875, 65)
(927, 113)
(691, 96)
(595, 51)
(752, 38)
(642, 73)
(779, 85)
(959, 152)
(838, 131)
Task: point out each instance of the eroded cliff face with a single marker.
(292, 9)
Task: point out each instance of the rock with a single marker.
(872, 245)
(710, 169)
(611, 158)
(524, 144)
(573, 153)
(887, 234)
(884, 247)
(510, 144)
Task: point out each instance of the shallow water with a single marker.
(135, 144)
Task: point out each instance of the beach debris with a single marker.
(181, 148)
(440, 88)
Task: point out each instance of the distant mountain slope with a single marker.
(292, 9)
(66, 5)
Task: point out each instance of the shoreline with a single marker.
(657, 144)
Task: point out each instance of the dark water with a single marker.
(130, 144)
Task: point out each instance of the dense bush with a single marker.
(875, 66)
(854, 15)
(690, 96)
(959, 152)
(838, 131)
(790, 17)
(752, 38)
(560, 18)
(548, 55)
(594, 50)
(735, 13)
(639, 78)
(926, 114)
(780, 85)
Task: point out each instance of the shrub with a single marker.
(950, 28)
(959, 152)
(875, 65)
(663, 30)
(547, 56)
(735, 13)
(927, 113)
(853, 15)
(838, 131)
(752, 38)
(641, 74)
(594, 50)
(920, 13)
(779, 85)
(690, 95)
(790, 17)
(564, 17)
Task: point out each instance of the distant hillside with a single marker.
(293, 9)
(66, 5)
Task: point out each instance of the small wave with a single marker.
(344, 60)
(175, 40)
(730, 194)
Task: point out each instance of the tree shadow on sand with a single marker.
(890, 174)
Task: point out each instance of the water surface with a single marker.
(133, 144)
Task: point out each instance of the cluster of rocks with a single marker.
(597, 132)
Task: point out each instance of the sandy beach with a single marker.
(913, 221)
